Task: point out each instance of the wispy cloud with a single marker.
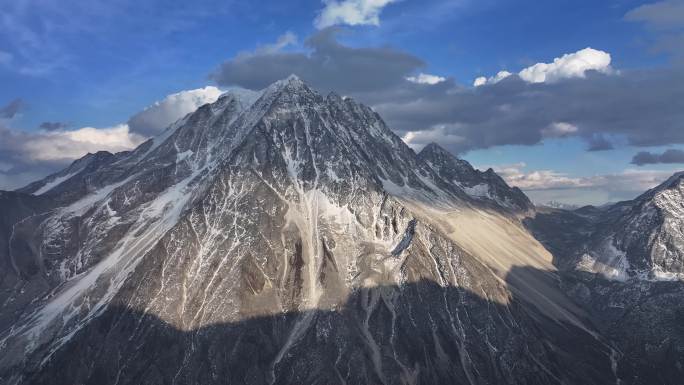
(27, 156)
(666, 19)
(550, 185)
(438, 134)
(285, 40)
(629, 180)
(156, 117)
(67, 145)
(44, 36)
(11, 109)
(350, 12)
(668, 14)
(52, 126)
(422, 78)
(5, 58)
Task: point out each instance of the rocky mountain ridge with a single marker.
(637, 239)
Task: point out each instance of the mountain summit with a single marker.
(283, 237)
(485, 186)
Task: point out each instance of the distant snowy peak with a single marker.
(662, 218)
(637, 240)
(484, 186)
(560, 205)
(647, 233)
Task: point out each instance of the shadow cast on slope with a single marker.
(643, 318)
(419, 333)
(561, 232)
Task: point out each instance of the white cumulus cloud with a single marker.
(285, 40)
(426, 79)
(632, 179)
(440, 134)
(29, 155)
(540, 179)
(571, 65)
(559, 130)
(350, 12)
(501, 75)
(155, 118)
(72, 144)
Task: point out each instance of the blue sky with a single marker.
(96, 64)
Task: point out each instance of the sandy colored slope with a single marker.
(509, 250)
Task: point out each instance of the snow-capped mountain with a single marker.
(623, 264)
(649, 232)
(284, 237)
(560, 205)
(638, 239)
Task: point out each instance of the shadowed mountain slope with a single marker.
(623, 265)
(415, 333)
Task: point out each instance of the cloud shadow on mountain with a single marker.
(389, 334)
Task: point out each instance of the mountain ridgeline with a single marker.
(286, 237)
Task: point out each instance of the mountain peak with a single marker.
(485, 186)
(334, 97)
(243, 96)
(671, 182)
(675, 179)
(436, 153)
(434, 147)
(293, 78)
(292, 82)
(289, 90)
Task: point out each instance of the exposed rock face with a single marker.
(623, 264)
(17, 288)
(284, 239)
(484, 186)
(76, 180)
(653, 231)
(640, 239)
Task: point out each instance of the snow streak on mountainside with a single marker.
(280, 238)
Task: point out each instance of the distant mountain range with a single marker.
(559, 205)
(286, 237)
